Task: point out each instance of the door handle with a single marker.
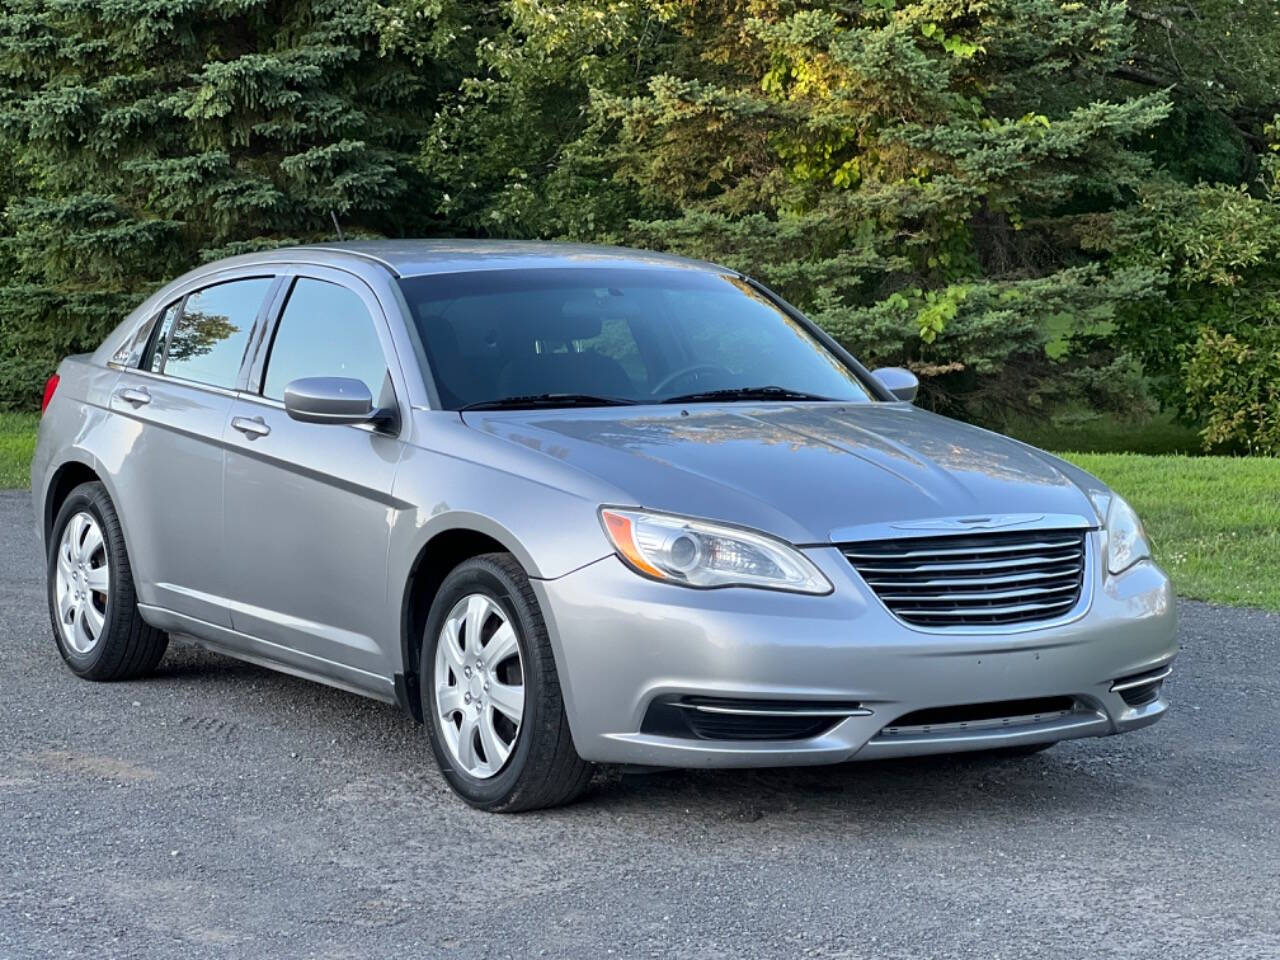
(135, 395)
(251, 428)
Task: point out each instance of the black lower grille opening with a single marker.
(1141, 696)
(730, 726)
(976, 712)
(1141, 688)
(680, 717)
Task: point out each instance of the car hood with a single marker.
(811, 473)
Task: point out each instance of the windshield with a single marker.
(593, 336)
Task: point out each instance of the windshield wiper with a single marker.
(533, 401)
(748, 393)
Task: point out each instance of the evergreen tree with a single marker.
(144, 136)
(912, 174)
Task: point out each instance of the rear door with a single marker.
(169, 479)
(308, 506)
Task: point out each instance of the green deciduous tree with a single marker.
(1208, 330)
(1218, 60)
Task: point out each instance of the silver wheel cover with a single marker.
(82, 582)
(479, 686)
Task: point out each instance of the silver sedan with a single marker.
(580, 505)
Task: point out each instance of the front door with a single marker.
(308, 506)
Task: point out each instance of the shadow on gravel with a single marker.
(1073, 779)
(945, 788)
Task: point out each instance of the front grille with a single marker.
(975, 579)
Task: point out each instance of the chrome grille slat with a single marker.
(977, 595)
(1027, 576)
(990, 578)
(993, 611)
(1004, 564)
(1043, 544)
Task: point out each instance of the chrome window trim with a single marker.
(179, 381)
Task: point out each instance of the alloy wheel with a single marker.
(82, 583)
(479, 685)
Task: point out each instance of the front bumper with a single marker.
(622, 641)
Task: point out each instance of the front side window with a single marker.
(208, 341)
(631, 335)
(325, 331)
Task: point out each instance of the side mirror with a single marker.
(328, 400)
(898, 381)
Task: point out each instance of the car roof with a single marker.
(413, 258)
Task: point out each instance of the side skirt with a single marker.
(274, 656)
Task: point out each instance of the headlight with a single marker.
(696, 553)
(1127, 542)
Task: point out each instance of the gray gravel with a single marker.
(218, 809)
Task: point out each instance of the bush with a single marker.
(1207, 331)
(1234, 388)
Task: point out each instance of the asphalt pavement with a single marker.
(222, 810)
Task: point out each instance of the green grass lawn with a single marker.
(17, 444)
(1215, 520)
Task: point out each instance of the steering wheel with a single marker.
(677, 375)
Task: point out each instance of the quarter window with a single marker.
(153, 357)
(208, 341)
(325, 331)
(131, 351)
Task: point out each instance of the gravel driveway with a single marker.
(223, 810)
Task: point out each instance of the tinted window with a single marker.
(209, 338)
(640, 334)
(325, 331)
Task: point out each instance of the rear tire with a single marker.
(93, 607)
(485, 620)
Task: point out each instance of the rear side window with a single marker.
(209, 339)
(324, 331)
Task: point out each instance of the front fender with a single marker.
(541, 511)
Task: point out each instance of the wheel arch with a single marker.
(433, 562)
(76, 465)
(69, 474)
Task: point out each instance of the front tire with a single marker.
(92, 604)
(491, 694)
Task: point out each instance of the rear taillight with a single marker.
(49, 387)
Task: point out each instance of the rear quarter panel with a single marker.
(76, 428)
